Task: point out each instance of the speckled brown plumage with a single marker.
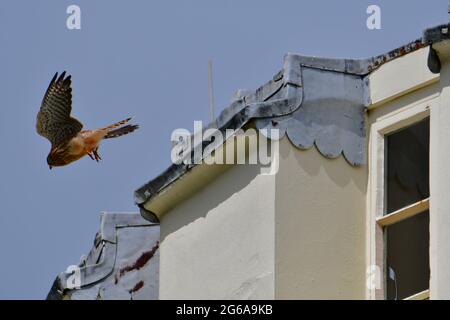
(68, 142)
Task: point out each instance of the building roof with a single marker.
(314, 101)
(123, 264)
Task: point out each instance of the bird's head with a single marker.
(57, 157)
(50, 161)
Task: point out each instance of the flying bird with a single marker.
(68, 142)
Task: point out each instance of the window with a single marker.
(407, 228)
(399, 204)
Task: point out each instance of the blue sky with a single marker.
(148, 59)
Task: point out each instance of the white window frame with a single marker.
(376, 218)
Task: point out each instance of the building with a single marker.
(352, 204)
(123, 263)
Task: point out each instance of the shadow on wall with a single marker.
(238, 177)
(230, 182)
(311, 161)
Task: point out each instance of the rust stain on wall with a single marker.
(138, 286)
(138, 264)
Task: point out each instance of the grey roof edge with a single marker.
(103, 253)
(235, 116)
(435, 35)
(362, 66)
(279, 97)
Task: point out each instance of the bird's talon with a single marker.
(97, 156)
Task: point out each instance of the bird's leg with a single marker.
(91, 156)
(96, 155)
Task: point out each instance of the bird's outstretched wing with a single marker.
(53, 120)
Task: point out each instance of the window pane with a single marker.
(408, 257)
(407, 166)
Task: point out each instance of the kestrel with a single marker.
(69, 143)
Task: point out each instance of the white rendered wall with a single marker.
(439, 185)
(219, 244)
(320, 226)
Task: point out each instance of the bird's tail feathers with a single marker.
(121, 131)
(117, 124)
(117, 129)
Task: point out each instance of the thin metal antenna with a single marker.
(211, 91)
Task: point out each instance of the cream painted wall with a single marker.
(297, 234)
(219, 243)
(439, 183)
(319, 226)
(400, 76)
